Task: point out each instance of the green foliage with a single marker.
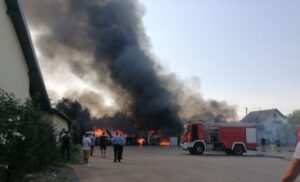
(69, 107)
(75, 133)
(27, 141)
(81, 115)
(295, 117)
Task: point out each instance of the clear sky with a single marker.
(246, 52)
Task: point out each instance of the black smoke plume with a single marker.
(112, 31)
(103, 43)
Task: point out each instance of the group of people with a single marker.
(88, 144)
(293, 170)
(263, 145)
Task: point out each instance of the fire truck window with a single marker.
(194, 132)
(212, 135)
(185, 129)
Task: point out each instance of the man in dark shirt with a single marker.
(65, 139)
(278, 145)
(263, 144)
(103, 144)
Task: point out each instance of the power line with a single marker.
(264, 82)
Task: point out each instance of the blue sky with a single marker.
(244, 51)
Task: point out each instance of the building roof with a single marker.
(258, 116)
(36, 83)
(62, 115)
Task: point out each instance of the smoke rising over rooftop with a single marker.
(103, 44)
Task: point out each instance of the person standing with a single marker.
(117, 142)
(122, 146)
(86, 145)
(60, 136)
(65, 147)
(278, 145)
(103, 144)
(293, 169)
(93, 139)
(263, 144)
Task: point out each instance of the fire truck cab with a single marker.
(236, 139)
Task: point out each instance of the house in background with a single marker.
(19, 70)
(59, 121)
(271, 125)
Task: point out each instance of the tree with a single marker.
(75, 111)
(27, 141)
(69, 107)
(295, 117)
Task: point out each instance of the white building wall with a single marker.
(13, 69)
(59, 123)
(274, 129)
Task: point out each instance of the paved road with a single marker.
(157, 164)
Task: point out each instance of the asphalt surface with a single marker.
(159, 164)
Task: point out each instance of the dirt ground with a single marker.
(159, 164)
(58, 174)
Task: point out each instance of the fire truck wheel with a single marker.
(238, 150)
(198, 149)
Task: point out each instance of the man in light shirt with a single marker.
(117, 141)
(293, 170)
(86, 145)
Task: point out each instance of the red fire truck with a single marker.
(234, 139)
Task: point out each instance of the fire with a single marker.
(164, 142)
(140, 141)
(98, 131)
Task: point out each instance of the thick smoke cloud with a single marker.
(193, 105)
(104, 44)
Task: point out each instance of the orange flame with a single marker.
(164, 142)
(140, 141)
(98, 131)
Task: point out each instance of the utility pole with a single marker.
(246, 114)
